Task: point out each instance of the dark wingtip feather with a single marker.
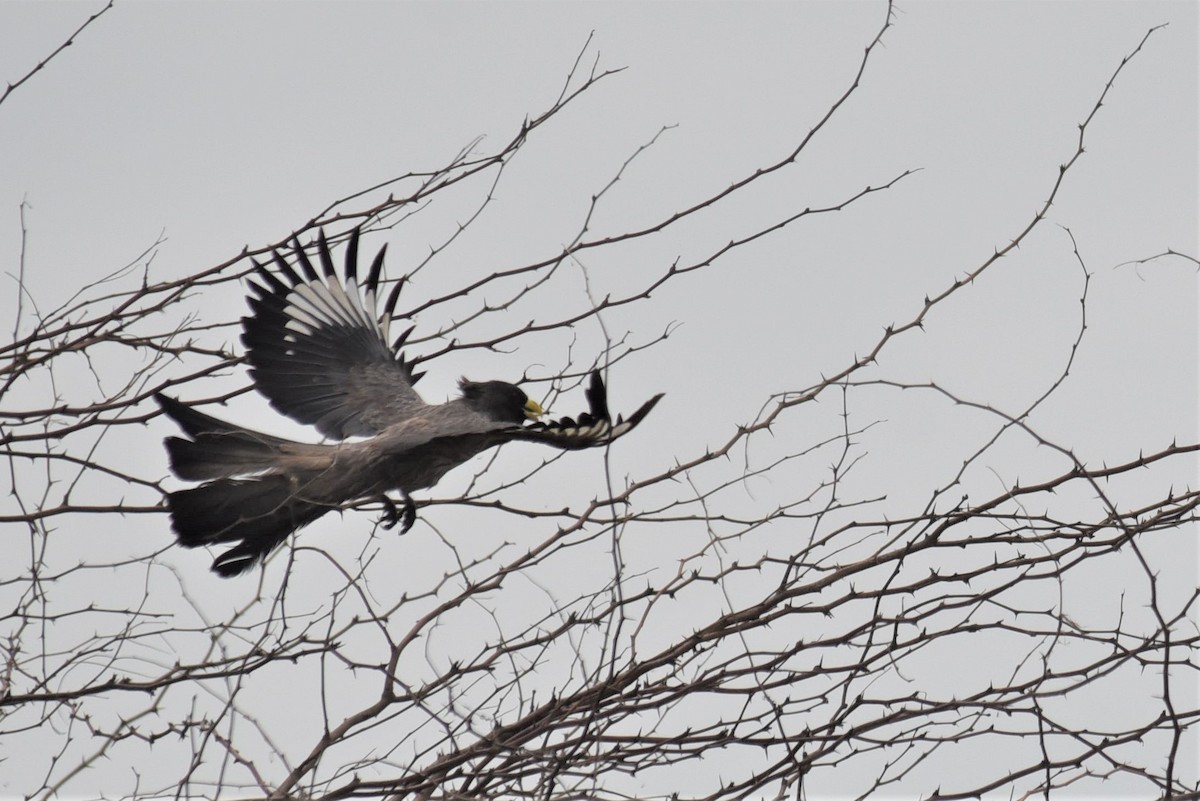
(376, 269)
(285, 268)
(400, 340)
(326, 257)
(641, 413)
(352, 256)
(302, 259)
(389, 308)
(258, 290)
(272, 284)
(597, 397)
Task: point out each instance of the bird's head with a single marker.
(500, 401)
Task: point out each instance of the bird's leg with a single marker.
(392, 514)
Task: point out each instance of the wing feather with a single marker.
(592, 429)
(319, 353)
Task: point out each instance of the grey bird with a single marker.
(321, 355)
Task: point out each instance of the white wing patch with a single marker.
(594, 427)
(316, 305)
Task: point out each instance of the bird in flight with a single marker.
(320, 354)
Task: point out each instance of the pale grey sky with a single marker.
(222, 125)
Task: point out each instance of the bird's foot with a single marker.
(405, 515)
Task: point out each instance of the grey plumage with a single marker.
(321, 355)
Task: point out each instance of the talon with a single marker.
(409, 514)
(405, 514)
(391, 515)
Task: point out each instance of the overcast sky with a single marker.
(221, 125)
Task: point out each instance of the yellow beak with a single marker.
(533, 409)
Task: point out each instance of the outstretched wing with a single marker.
(319, 352)
(593, 428)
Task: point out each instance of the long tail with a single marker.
(217, 449)
(258, 512)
